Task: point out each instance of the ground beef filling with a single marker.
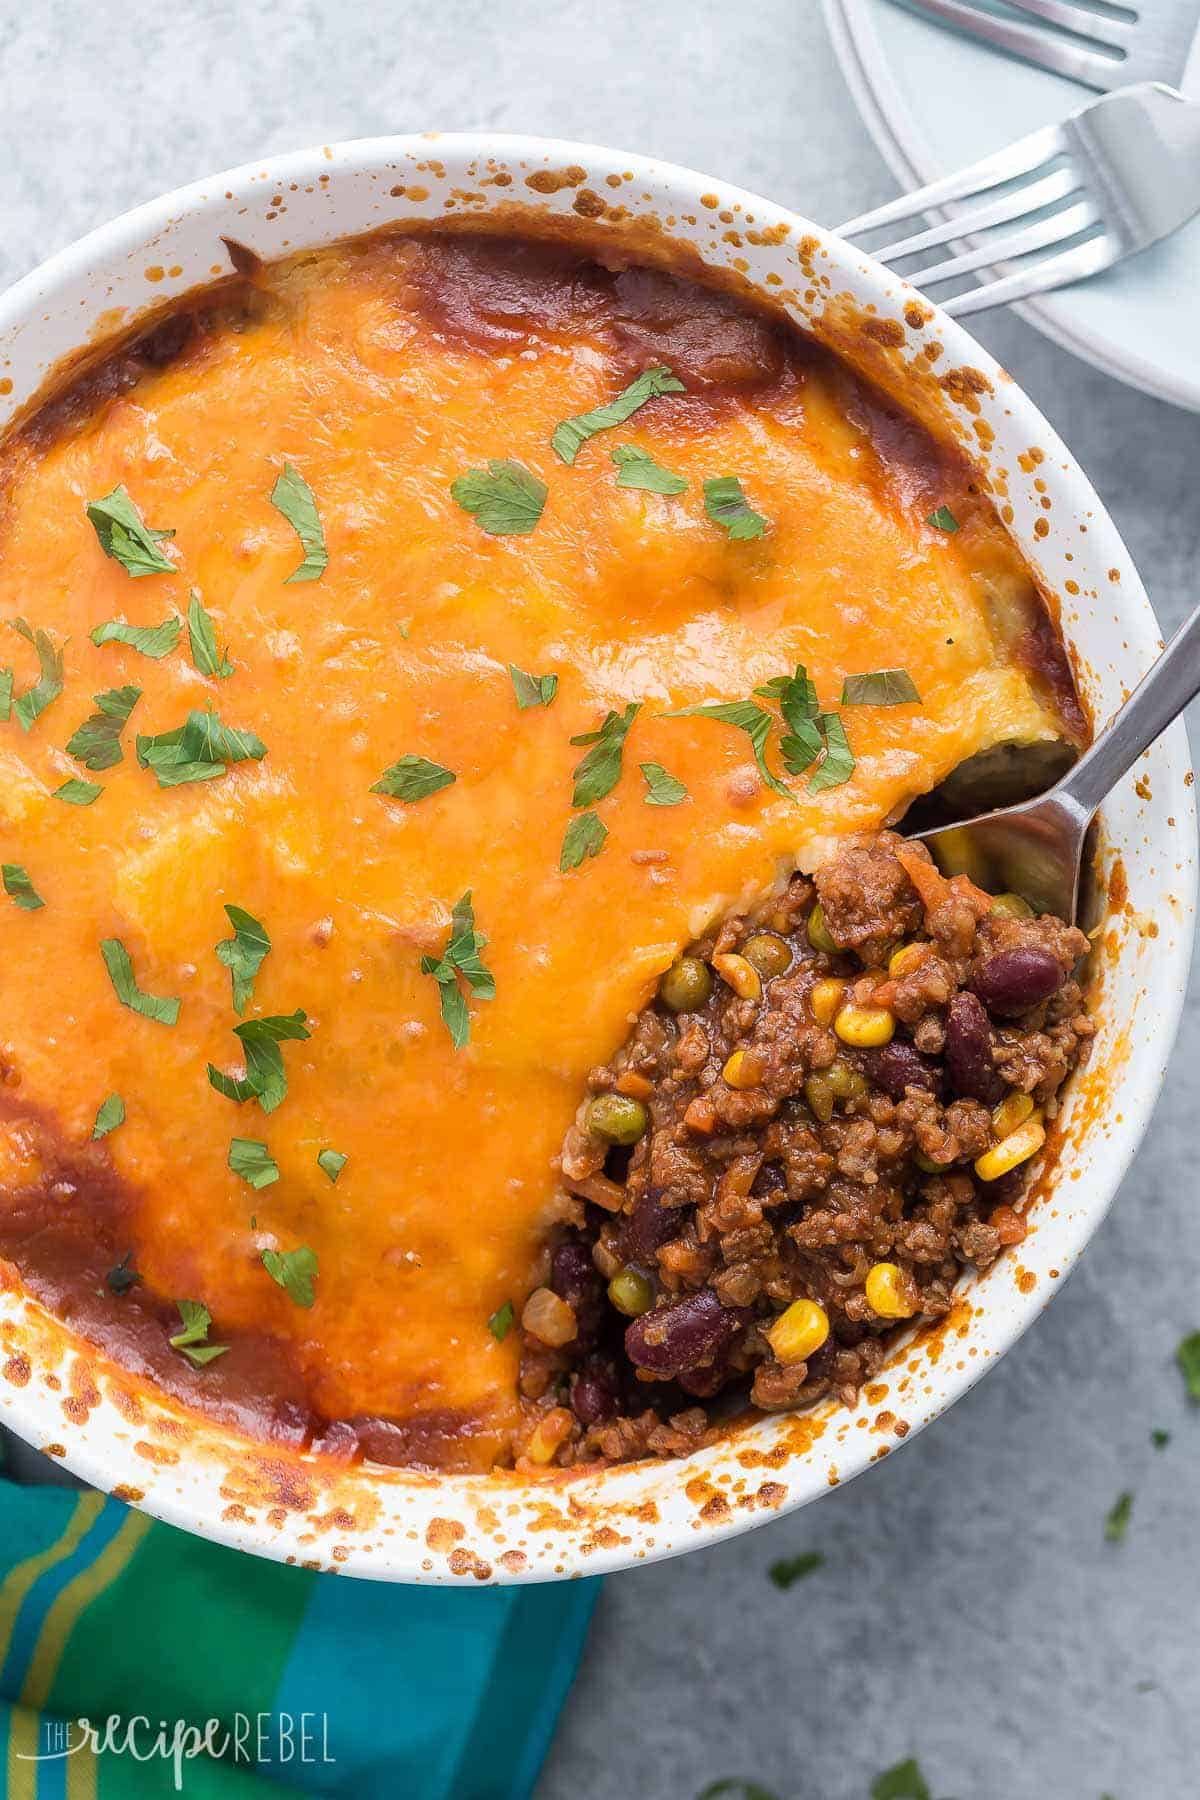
(827, 1114)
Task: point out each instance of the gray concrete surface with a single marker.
(969, 1611)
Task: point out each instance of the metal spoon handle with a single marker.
(1159, 697)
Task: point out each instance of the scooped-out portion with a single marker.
(406, 652)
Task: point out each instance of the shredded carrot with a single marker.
(933, 887)
(700, 1116)
(633, 1085)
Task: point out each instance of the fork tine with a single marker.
(1081, 20)
(1027, 154)
(1032, 43)
(1013, 206)
(1054, 230)
(1056, 271)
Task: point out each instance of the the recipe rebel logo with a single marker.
(265, 1741)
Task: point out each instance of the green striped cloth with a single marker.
(310, 1683)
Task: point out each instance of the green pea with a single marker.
(686, 985)
(768, 954)
(617, 1119)
(1010, 906)
(846, 1083)
(818, 1091)
(818, 931)
(631, 1293)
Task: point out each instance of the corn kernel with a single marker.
(865, 1027)
(552, 1431)
(549, 1318)
(825, 999)
(1016, 1148)
(740, 975)
(799, 1332)
(1010, 1113)
(888, 1292)
(907, 958)
(745, 1069)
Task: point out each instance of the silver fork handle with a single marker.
(1158, 699)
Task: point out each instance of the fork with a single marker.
(1110, 180)
(1071, 37)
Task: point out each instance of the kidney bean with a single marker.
(969, 1051)
(897, 1066)
(649, 1227)
(685, 1336)
(594, 1394)
(575, 1278)
(1012, 981)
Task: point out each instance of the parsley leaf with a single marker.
(202, 641)
(663, 789)
(500, 1323)
(154, 641)
(1188, 1358)
(584, 837)
(638, 469)
(332, 1162)
(943, 520)
(243, 954)
(532, 690)
(192, 1340)
(120, 973)
(124, 1276)
(599, 771)
(837, 765)
(197, 751)
(506, 498)
(29, 706)
(903, 1782)
(413, 778)
(1117, 1522)
(570, 437)
(20, 888)
(293, 497)
(796, 694)
(6, 693)
(462, 956)
(77, 793)
(97, 743)
(790, 1569)
(125, 538)
(295, 1271)
(754, 720)
(880, 687)
(265, 1079)
(253, 1162)
(110, 1115)
(1160, 1438)
(727, 505)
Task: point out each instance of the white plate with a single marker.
(934, 101)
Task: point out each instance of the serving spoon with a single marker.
(1036, 849)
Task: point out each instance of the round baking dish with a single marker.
(392, 1524)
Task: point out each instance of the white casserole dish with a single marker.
(391, 1524)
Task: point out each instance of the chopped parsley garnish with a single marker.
(97, 743)
(110, 1115)
(1160, 1438)
(662, 788)
(123, 1276)
(265, 1079)
(6, 693)
(880, 687)
(124, 536)
(197, 751)
(120, 973)
(727, 506)
(77, 793)
(332, 1162)
(903, 1782)
(413, 778)
(30, 705)
(1117, 1522)
(202, 641)
(506, 498)
(192, 1340)
(837, 765)
(943, 520)
(1188, 1358)
(462, 956)
(243, 954)
(253, 1162)
(154, 641)
(638, 469)
(500, 1323)
(293, 497)
(20, 888)
(295, 1271)
(570, 437)
(790, 1569)
(802, 743)
(584, 837)
(532, 690)
(754, 720)
(599, 771)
